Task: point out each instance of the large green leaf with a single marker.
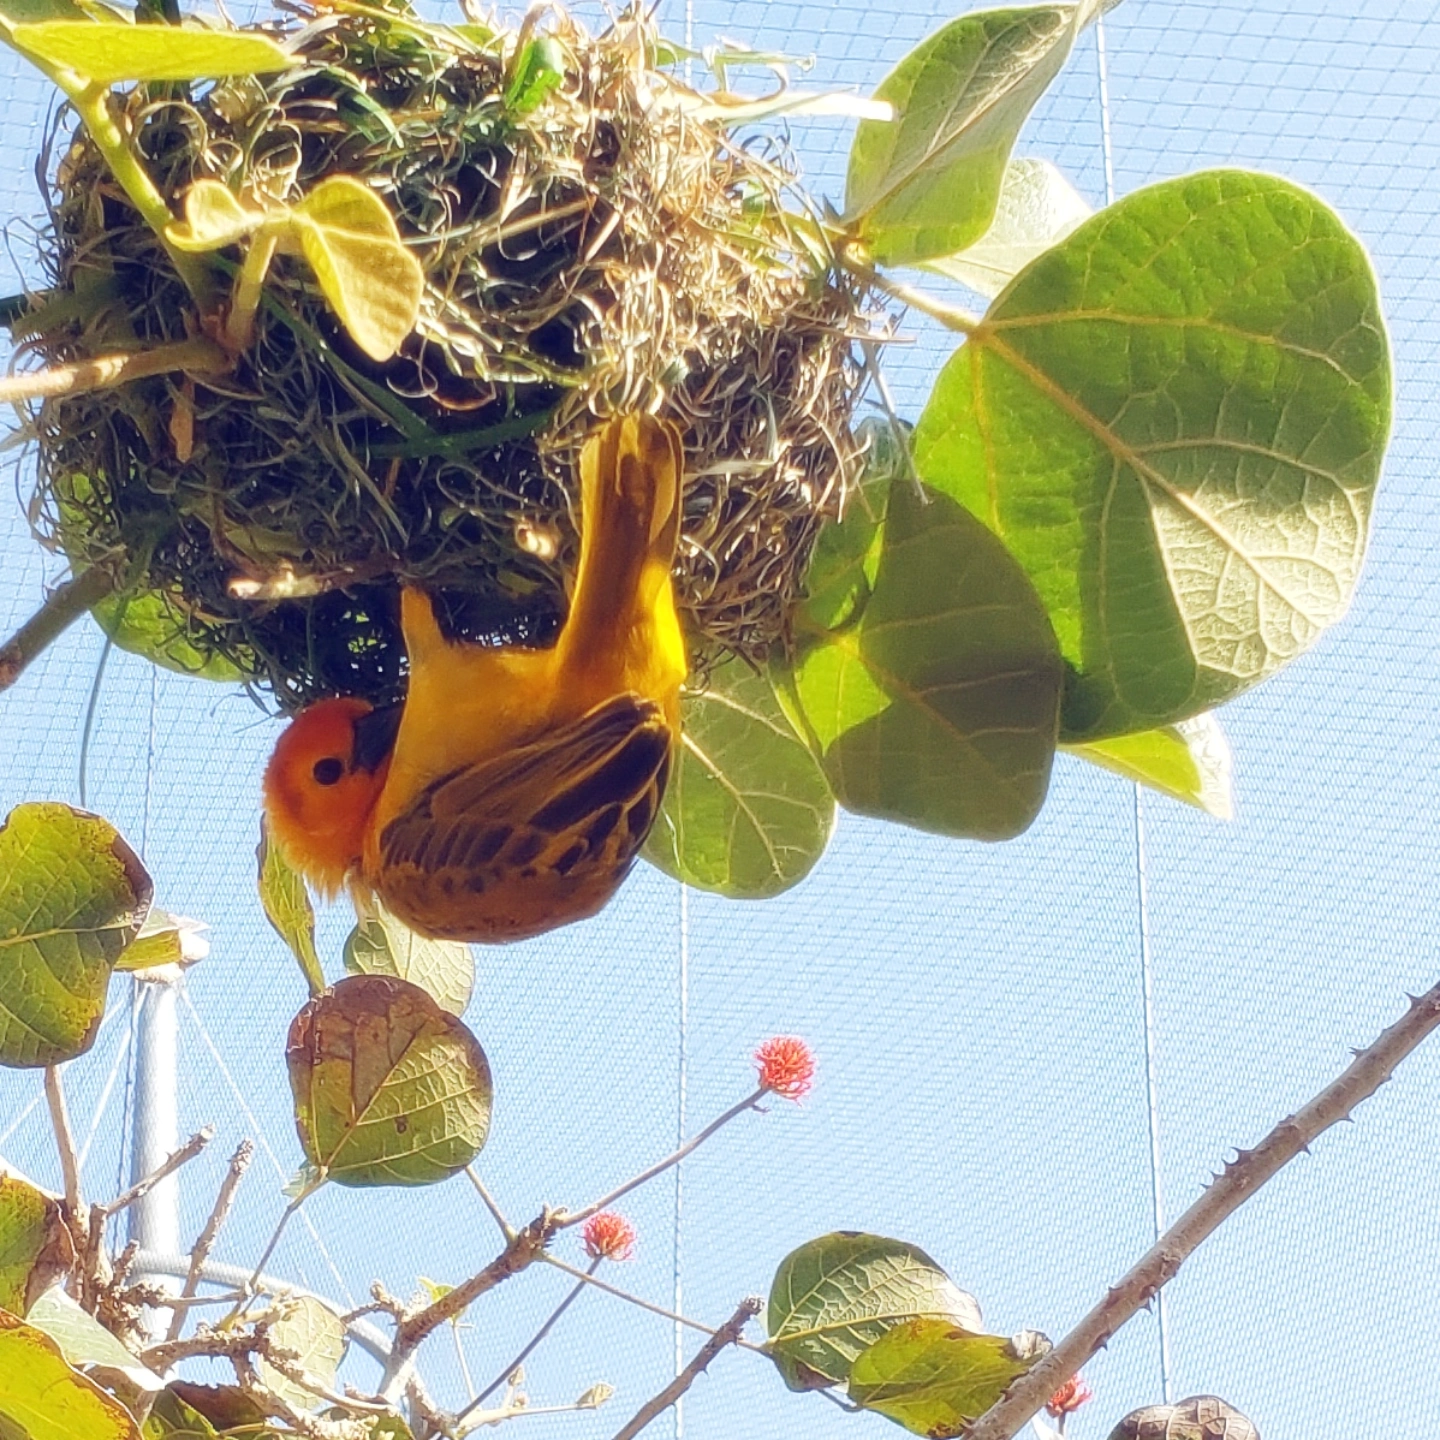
(1189, 761)
(72, 896)
(35, 1245)
(146, 624)
(84, 1341)
(316, 1334)
(748, 811)
(286, 903)
(1175, 420)
(1038, 208)
(929, 678)
(42, 1398)
(389, 1088)
(110, 54)
(382, 945)
(933, 1377)
(926, 183)
(835, 1297)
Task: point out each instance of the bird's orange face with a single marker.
(322, 783)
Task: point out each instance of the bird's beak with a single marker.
(375, 734)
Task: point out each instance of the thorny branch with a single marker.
(1235, 1184)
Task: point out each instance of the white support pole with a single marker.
(154, 1219)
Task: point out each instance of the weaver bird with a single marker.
(521, 783)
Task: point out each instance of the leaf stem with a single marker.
(1236, 1183)
(249, 285)
(498, 1215)
(196, 355)
(62, 608)
(952, 317)
(65, 1144)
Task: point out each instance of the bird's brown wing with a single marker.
(533, 838)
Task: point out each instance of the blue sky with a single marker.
(976, 1010)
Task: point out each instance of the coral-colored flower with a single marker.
(609, 1236)
(786, 1066)
(1069, 1397)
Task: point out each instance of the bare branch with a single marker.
(63, 606)
(171, 1163)
(1235, 1184)
(64, 1139)
(205, 1242)
(199, 356)
(727, 1334)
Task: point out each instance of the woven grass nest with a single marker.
(593, 241)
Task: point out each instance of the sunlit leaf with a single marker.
(110, 54)
(371, 280)
(170, 1418)
(165, 939)
(317, 1335)
(748, 811)
(72, 896)
(934, 696)
(1174, 419)
(288, 909)
(214, 218)
(1189, 761)
(835, 1297)
(382, 945)
(147, 624)
(389, 1088)
(1199, 1417)
(934, 1377)
(927, 183)
(1038, 208)
(84, 1341)
(43, 1398)
(35, 1246)
(539, 68)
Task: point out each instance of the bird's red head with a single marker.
(322, 782)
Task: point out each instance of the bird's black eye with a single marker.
(328, 771)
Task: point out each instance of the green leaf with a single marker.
(389, 1088)
(109, 54)
(835, 1297)
(42, 1398)
(18, 12)
(146, 624)
(214, 218)
(35, 1246)
(288, 909)
(223, 1407)
(382, 945)
(935, 702)
(1038, 208)
(316, 1334)
(165, 939)
(72, 896)
(933, 1377)
(1199, 1417)
(539, 68)
(748, 811)
(170, 1418)
(84, 1341)
(1175, 419)
(927, 183)
(1189, 761)
(373, 283)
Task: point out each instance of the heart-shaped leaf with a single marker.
(834, 1297)
(35, 1245)
(1038, 208)
(1189, 761)
(389, 1088)
(1200, 1417)
(1175, 419)
(934, 694)
(373, 283)
(72, 896)
(214, 218)
(317, 1336)
(933, 1377)
(42, 1398)
(287, 907)
(748, 811)
(110, 54)
(381, 945)
(926, 184)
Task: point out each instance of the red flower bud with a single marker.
(786, 1066)
(608, 1236)
(1069, 1397)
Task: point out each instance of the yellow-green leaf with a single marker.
(214, 218)
(933, 1377)
(165, 939)
(42, 1398)
(371, 280)
(35, 1245)
(389, 1088)
(109, 54)
(316, 1334)
(382, 945)
(84, 1341)
(147, 623)
(288, 909)
(73, 895)
(1189, 761)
